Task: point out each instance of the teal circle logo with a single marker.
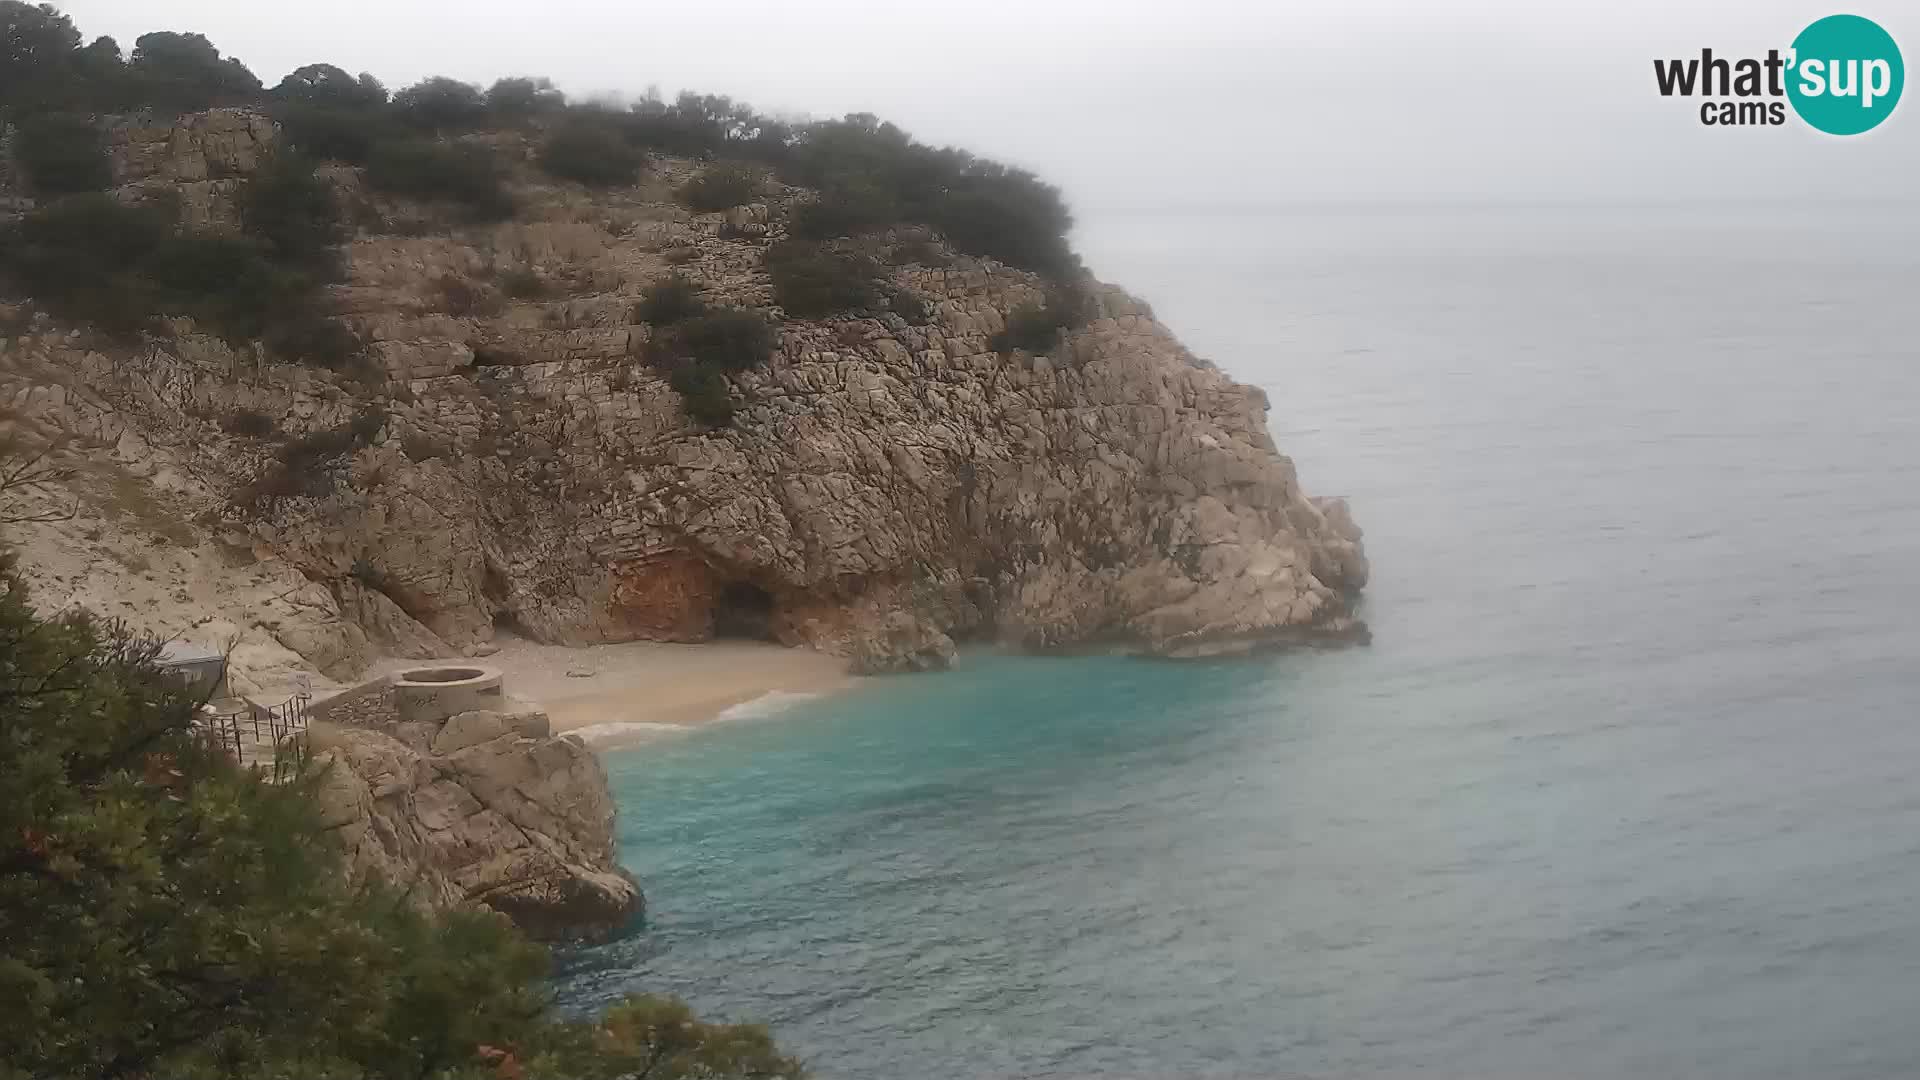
(1846, 75)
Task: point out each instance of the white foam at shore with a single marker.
(623, 731)
(770, 703)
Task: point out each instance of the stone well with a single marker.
(432, 694)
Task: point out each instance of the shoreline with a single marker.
(627, 693)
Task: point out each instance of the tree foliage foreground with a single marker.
(166, 914)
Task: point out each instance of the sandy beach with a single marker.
(615, 694)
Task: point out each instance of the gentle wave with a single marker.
(623, 731)
(771, 703)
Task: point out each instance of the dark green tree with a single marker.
(185, 73)
(440, 104)
(62, 154)
(720, 187)
(327, 85)
(336, 132)
(38, 58)
(518, 98)
(592, 154)
(464, 176)
(287, 205)
(660, 1039)
(81, 257)
(811, 281)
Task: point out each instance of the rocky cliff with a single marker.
(885, 488)
(480, 808)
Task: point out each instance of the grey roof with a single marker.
(184, 654)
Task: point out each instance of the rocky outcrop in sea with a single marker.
(480, 807)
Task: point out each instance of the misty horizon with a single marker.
(1135, 106)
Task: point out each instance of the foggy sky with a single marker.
(1127, 103)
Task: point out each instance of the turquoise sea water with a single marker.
(1623, 787)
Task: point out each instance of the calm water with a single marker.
(1625, 785)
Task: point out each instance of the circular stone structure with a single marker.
(432, 694)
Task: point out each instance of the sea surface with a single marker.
(1628, 784)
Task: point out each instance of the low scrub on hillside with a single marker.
(672, 299)
(811, 281)
(592, 154)
(698, 353)
(1030, 327)
(93, 259)
(721, 186)
(704, 393)
(464, 177)
(872, 175)
(331, 133)
(869, 175)
(310, 337)
(731, 339)
(1037, 328)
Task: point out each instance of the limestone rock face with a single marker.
(389, 628)
(886, 487)
(485, 809)
(197, 160)
(213, 145)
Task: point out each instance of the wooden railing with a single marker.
(261, 725)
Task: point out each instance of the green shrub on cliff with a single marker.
(697, 352)
(331, 87)
(312, 338)
(286, 205)
(441, 105)
(80, 259)
(720, 187)
(515, 99)
(333, 132)
(180, 73)
(465, 177)
(170, 915)
(871, 175)
(673, 299)
(811, 281)
(90, 258)
(591, 154)
(1006, 214)
(1029, 327)
(731, 339)
(62, 154)
(1037, 328)
(848, 206)
(704, 393)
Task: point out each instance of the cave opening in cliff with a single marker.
(743, 610)
(504, 622)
